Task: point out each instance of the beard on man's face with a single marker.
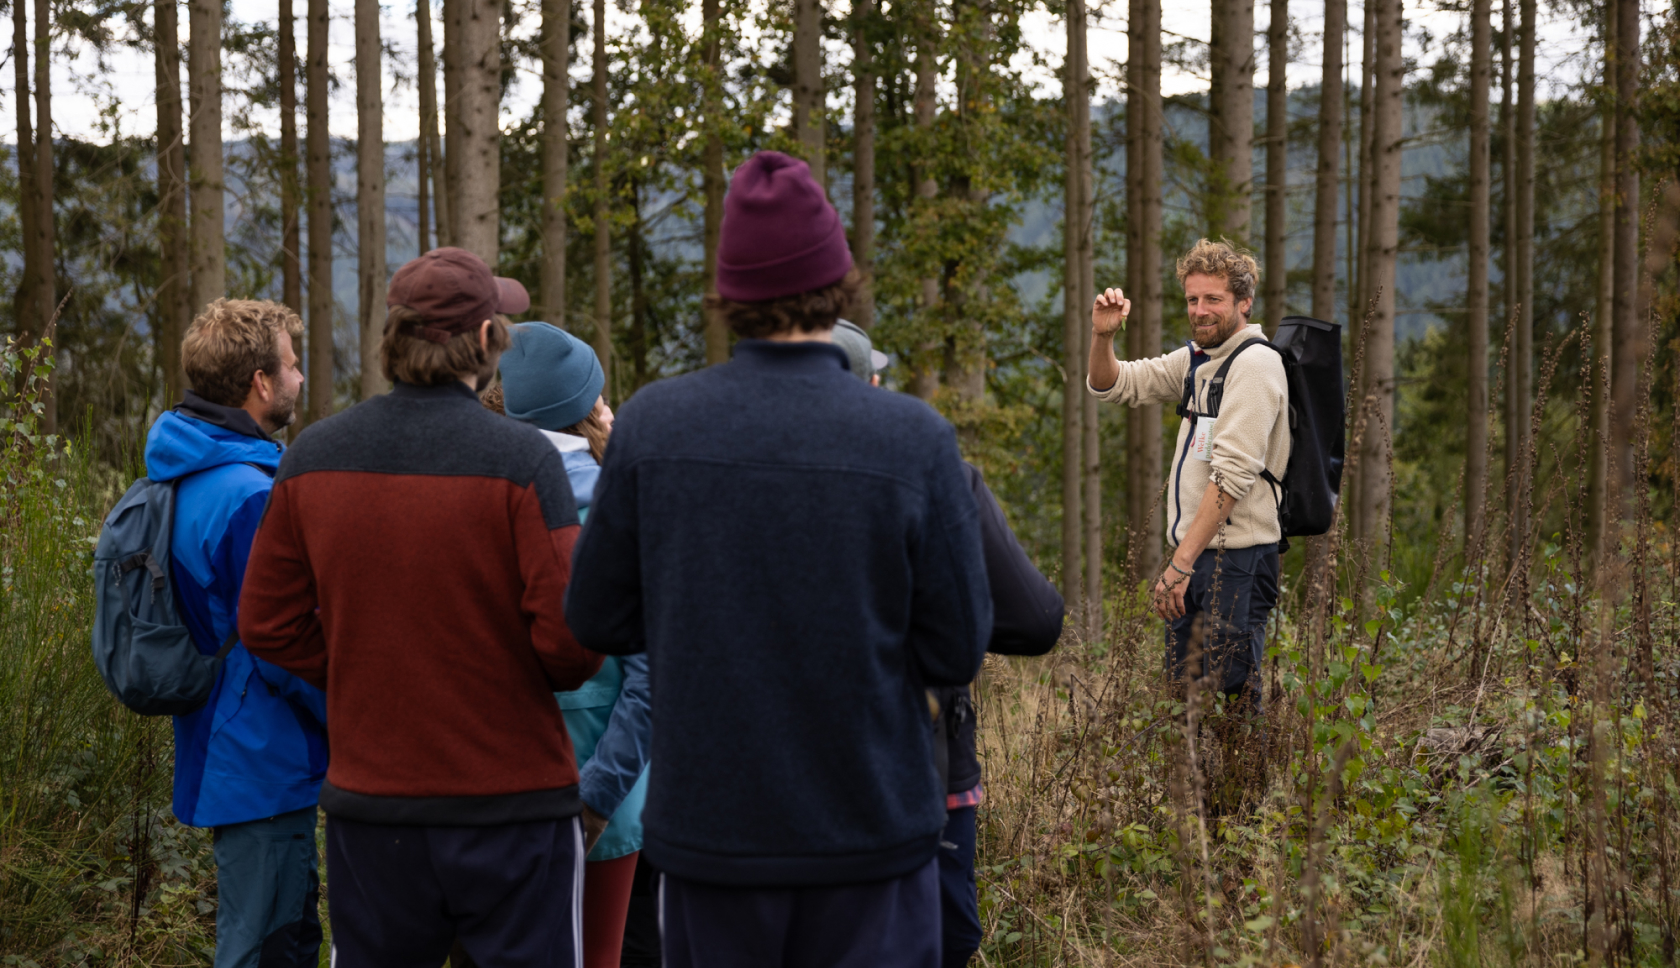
(283, 412)
(1224, 325)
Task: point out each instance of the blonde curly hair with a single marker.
(1235, 265)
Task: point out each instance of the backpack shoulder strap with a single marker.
(1216, 386)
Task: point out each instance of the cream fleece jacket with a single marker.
(1250, 434)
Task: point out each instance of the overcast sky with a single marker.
(89, 101)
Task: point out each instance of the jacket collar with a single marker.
(227, 418)
(452, 390)
(794, 358)
(1241, 336)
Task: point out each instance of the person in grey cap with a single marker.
(1026, 620)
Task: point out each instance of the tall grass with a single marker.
(1479, 771)
(93, 869)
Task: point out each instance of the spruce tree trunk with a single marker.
(1359, 288)
(1383, 246)
(1603, 322)
(1325, 196)
(809, 125)
(711, 180)
(291, 270)
(46, 280)
(204, 152)
(370, 195)
(1515, 423)
(556, 145)
(450, 215)
(431, 169)
(1476, 429)
(603, 239)
(1074, 327)
(1277, 164)
(925, 381)
(29, 326)
(480, 169)
(173, 309)
(1077, 300)
(1522, 342)
(863, 163)
(318, 164)
(1231, 120)
(1145, 521)
(1624, 379)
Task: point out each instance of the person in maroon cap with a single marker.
(411, 564)
(799, 555)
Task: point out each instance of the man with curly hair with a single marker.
(799, 555)
(1221, 582)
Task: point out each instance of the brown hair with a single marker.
(416, 360)
(591, 428)
(806, 312)
(231, 342)
(1239, 270)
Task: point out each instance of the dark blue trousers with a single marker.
(959, 896)
(1231, 595)
(398, 896)
(882, 924)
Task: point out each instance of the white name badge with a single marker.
(1201, 439)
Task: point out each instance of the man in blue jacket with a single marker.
(249, 764)
(799, 555)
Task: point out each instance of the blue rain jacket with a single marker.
(608, 717)
(258, 747)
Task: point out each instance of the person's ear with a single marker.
(484, 335)
(262, 385)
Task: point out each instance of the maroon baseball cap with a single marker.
(453, 291)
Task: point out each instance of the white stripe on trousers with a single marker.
(577, 893)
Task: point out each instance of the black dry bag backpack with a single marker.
(1311, 350)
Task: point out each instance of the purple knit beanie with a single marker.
(780, 235)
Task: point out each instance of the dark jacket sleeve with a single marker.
(1027, 610)
(278, 617)
(622, 752)
(604, 599)
(950, 607)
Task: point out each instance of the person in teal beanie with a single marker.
(552, 380)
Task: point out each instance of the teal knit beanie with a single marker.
(550, 378)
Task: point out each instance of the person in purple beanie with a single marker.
(799, 555)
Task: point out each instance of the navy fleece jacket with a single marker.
(799, 554)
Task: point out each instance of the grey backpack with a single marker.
(140, 645)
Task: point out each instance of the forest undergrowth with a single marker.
(1480, 770)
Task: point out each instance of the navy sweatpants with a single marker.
(882, 924)
(959, 895)
(1231, 595)
(398, 896)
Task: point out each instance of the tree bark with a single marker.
(1522, 341)
(925, 381)
(1603, 323)
(863, 163)
(28, 325)
(454, 140)
(46, 285)
(1231, 119)
(1326, 199)
(174, 311)
(204, 155)
(1628, 351)
(291, 270)
(1076, 301)
(1145, 161)
(1359, 288)
(1383, 249)
(1277, 164)
(638, 294)
(809, 119)
(556, 146)
(479, 229)
(603, 238)
(1515, 423)
(318, 149)
(711, 179)
(1476, 429)
(431, 154)
(370, 195)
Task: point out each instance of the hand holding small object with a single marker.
(1109, 312)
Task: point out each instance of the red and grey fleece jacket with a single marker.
(412, 563)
